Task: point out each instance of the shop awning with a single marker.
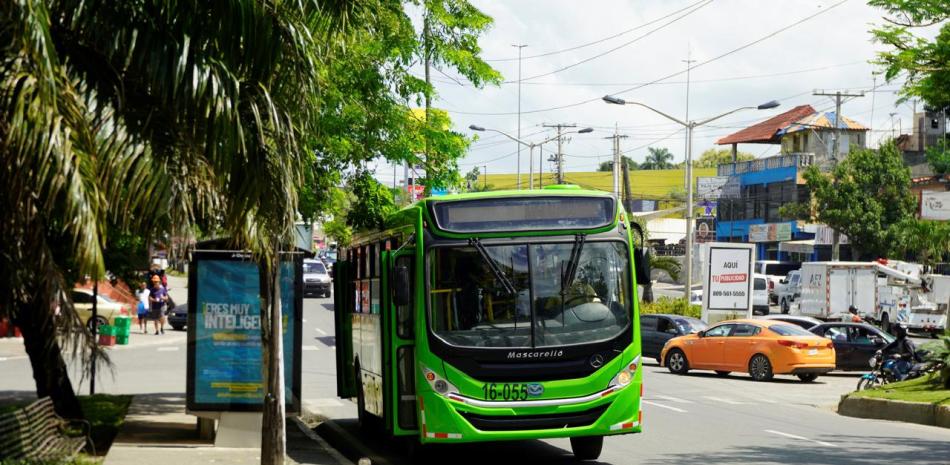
(805, 246)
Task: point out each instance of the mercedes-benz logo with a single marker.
(597, 360)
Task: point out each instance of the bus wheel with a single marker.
(587, 447)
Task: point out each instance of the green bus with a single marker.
(495, 316)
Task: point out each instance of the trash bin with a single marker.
(123, 324)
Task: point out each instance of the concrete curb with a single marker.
(895, 410)
(348, 445)
(313, 436)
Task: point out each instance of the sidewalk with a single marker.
(157, 431)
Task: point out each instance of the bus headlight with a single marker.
(626, 374)
(439, 385)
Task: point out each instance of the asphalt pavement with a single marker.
(695, 418)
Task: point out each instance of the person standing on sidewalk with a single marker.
(158, 295)
(143, 294)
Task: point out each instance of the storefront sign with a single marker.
(935, 206)
(225, 369)
(710, 187)
(770, 232)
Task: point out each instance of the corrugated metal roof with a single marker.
(767, 131)
(824, 120)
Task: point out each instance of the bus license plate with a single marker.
(505, 391)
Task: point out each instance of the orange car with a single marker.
(762, 348)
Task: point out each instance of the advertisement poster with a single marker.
(770, 232)
(225, 369)
(935, 205)
(727, 289)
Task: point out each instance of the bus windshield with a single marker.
(524, 295)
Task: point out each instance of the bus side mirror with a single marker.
(401, 285)
(641, 257)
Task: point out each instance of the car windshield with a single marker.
(524, 295)
(789, 330)
(314, 267)
(690, 325)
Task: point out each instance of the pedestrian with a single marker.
(158, 295)
(143, 294)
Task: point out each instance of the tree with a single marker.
(923, 61)
(373, 202)
(609, 164)
(926, 241)
(866, 197)
(657, 159)
(939, 157)
(714, 157)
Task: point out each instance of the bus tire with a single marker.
(676, 362)
(587, 447)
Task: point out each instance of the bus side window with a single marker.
(404, 313)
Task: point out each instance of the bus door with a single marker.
(402, 320)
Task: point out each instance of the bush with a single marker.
(679, 306)
(939, 356)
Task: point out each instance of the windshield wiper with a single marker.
(500, 276)
(571, 272)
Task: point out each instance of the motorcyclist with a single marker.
(904, 347)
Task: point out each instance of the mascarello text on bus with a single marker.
(494, 316)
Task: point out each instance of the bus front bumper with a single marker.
(447, 420)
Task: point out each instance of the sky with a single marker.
(634, 49)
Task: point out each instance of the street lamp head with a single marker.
(585, 130)
(476, 128)
(614, 100)
(768, 105)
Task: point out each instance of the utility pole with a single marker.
(486, 176)
(559, 158)
(520, 47)
(617, 169)
(689, 64)
(835, 154)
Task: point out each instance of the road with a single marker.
(695, 418)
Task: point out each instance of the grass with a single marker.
(924, 389)
(105, 414)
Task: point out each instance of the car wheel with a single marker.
(723, 373)
(178, 327)
(676, 362)
(760, 368)
(327, 294)
(99, 321)
(808, 377)
(587, 447)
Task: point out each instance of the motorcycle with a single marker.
(883, 371)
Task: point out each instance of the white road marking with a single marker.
(167, 349)
(725, 401)
(800, 438)
(673, 399)
(663, 406)
(321, 331)
(309, 348)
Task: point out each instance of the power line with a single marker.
(668, 76)
(598, 41)
(625, 44)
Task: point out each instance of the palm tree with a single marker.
(145, 115)
(657, 159)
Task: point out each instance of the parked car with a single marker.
(805, 322)
(178, 317)
(762, 348)
(106, 308)
(760, 295)
(316, 279)
(789, 290)
(775, 271)
(855, 343)
(656, 329)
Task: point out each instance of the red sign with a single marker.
(730, 278)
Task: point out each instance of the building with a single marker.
(753, 192)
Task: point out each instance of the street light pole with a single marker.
(520, 47)
(530, 145)
(690, 127)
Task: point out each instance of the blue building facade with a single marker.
(748, 211)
